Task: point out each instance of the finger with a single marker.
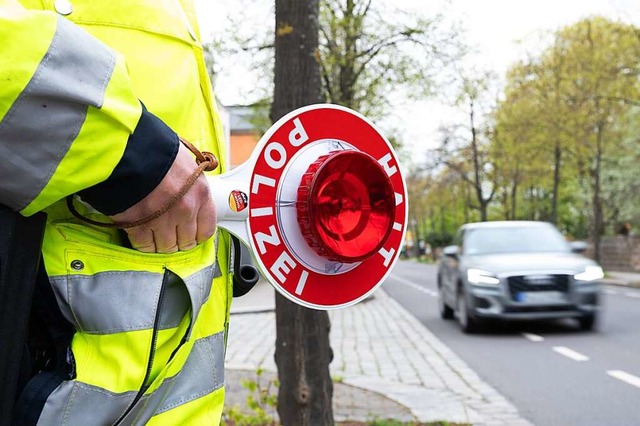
(187, 235)
(206, 222)
(141, 239)
(165, 237)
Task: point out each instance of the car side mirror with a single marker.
(579, 246)
(451, 251)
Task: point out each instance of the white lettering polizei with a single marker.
(302, 282)
(298, 135)
(261, 180)
(275, 163)
(282, 266)
(263, 239)
(262, 211)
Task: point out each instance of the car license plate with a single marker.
(542, 297)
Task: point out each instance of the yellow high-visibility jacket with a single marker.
(85, 89)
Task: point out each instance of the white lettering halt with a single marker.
(387, 255)
(385, 162)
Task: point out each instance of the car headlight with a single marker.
(478, 276)
(591, 273)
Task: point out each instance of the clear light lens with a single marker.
(478, 276)
(591, 273)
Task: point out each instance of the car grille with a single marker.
(530, 283)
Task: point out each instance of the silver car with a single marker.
(516, 270)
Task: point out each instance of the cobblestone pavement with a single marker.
(387, 364)
(350, 403)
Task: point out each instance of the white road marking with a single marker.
(533, 337)
(576, 356)
(625, 377)
(619, 292)
(415, 286)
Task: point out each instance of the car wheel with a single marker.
(468, 324)
(445, 311)
(587, 322)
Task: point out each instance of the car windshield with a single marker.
(525, 239)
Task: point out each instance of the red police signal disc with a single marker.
(334, 284)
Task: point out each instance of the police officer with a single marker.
(93, 96)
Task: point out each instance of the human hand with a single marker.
(191, 220)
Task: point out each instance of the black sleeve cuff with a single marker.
(150, 152)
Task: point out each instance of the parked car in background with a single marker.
(516, 270)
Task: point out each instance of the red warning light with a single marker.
(345, 206)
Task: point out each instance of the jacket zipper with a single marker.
(152, 353)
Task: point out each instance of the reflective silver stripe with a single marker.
(202, 374)
(199, 285)
(74, 403)
(45, 119)
(114, 302)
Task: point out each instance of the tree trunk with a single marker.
(483, 212)
(303, 352)
(557, 163)
(505, 205)
(347, 65)
(598, 219)
(465, 205)
(477, 183)
(483, 203)
(514, 198)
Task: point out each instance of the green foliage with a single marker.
(368, 51)
(561, 145)
(436, 239)
(260, 399)
(260, 115)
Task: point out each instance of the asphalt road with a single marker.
(552, 372)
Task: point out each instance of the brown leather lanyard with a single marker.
(206, 162)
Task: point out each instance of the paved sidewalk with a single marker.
(388, 365)
(629, 279)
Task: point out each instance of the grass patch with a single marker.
(391, 422)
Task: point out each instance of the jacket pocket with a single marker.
(133, 311)
(103, 288)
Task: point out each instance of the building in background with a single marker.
(223, 113)
(240, 133)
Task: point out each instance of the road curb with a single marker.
(620, 283)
